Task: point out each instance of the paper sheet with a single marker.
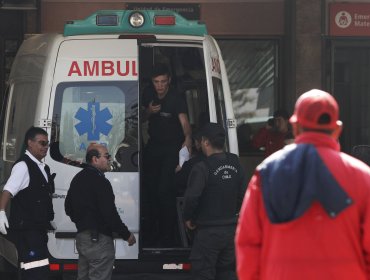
(184, 155)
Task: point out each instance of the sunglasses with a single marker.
(108, 156)
(43, 143)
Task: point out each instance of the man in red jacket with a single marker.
(306, 214)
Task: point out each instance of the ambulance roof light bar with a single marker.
(138, 22)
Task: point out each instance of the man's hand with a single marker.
(178, 168)
(3, 222)
(190, 225)
(153, 109)
(131, 240)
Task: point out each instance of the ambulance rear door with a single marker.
(94, 98)
(221, 110)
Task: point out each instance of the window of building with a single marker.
(252, 70)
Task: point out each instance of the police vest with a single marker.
(32, 207)
(219, 201)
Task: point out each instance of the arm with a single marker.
(196, 183)
(186, 129)
(365, 223)
(242, 187)
(107, 208)
(5, 197)
(18, 180)
(249, 233)
(4, 200)
(68, 204)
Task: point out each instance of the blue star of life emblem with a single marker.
(93, 121)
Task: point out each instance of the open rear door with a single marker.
(219, 92)
(94, 98)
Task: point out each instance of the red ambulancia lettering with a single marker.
(107, 68)
(91, 69)
(103, 68)
(74, 69)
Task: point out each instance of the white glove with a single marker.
(3, 222)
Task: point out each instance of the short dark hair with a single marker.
(161, 69)
(217, 142)
(93, 152)
(214, 133)
(32, 132)
(282, 113)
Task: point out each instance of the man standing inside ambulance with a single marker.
(30, 187)
(306, 214)
(169, 130)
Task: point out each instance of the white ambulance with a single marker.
(85, 86)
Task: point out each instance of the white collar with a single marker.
(34, 159)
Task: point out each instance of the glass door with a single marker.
(350, 84)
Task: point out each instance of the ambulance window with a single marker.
(100, 112)
(21, 116)
(220, 106)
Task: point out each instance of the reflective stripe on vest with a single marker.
(34, 264)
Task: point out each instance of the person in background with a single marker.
(213, 197)
(306, 214)
(275, 135)
(30, 188)
(169, 130)
(90, 205)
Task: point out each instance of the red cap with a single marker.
(312, 105)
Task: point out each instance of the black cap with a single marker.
(212, 130)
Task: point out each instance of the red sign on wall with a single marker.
(347, 19)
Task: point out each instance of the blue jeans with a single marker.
(96, 259)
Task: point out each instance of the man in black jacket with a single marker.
(213, 198)
(30, 188)
(90, 205)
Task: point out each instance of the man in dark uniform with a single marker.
(168, 130)
(90, 205)
(30, 186)
(213, 197)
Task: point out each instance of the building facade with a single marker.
(274, 50)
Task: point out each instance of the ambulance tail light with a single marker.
(54, 267)
(66, 267)
(186, 266)
(164, 20)
(70, 267)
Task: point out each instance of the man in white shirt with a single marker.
(30, 187)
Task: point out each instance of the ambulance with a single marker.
(86, 85)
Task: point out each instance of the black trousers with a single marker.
(32, 253)
(213, 253)
(160, 162)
